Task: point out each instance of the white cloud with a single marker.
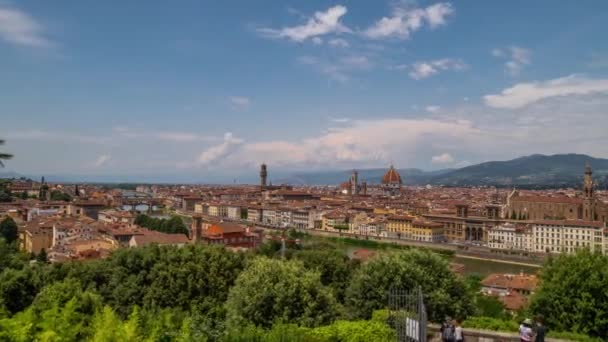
(321, 23)
(340, 120)
(180, 136)
(340, 68)
(19, 28)
(432, 109)
(496, 52)
(444, 158)
(406, 21)
(518, 58)
(44, 135)
(240, 102)
(102, 160)
(523, 94)
(357, 62)
(358, 142)
(339, 42)
(424, 69)
(217, 152)
(317, 41)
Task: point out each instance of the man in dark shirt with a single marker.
(540, 329)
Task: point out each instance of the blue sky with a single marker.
(213, 88)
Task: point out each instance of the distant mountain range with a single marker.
(531, 171)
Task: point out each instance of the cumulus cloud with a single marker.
(217, 152)
(444, 158)
(338, 69)
(180, 136)
(358, 142)
(340, 120)
(240, 102)
(405, 21)
(19, 28)
(523, 94)
(432, 109)
(102, 160)
(339, 42)
(321, 23)
(421, 70)
(517, 58)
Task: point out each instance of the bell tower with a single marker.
(589, 196)
(263, 176)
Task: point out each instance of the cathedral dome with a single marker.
(391, 176)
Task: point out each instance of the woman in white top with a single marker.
(458, 331)
(525, 331)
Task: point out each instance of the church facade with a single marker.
(585, 207)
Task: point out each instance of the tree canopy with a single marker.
(270, 291)
(9, 229)
(573, 293)
(174, 225)
(444, 293)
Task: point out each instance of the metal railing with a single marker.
(407, 314)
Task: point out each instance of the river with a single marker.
(477, 265)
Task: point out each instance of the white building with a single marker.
(566, 236)
(233, 212)
(254, 214)
(301, 219)
(510, 236)
(270, 217)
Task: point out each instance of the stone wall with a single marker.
(474, 335)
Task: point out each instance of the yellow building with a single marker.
(399, 224)
(412, 228)
(426, 231)
(333, 219)
(385, 211)
(33, 239)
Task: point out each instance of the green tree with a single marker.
(8, 229)
(4, 156)
(573, 295)
(57, 195)
(444, 293)
(42, 257)
(174, 225)
(487, 306)
(5, 191)
(341, 227)
(271, 290)
(18, 288)
(334, 266)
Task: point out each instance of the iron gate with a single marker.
(407, 314)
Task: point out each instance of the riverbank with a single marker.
(473, 262)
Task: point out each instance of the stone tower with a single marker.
(589, 196)
(354, 183)
(263, 176)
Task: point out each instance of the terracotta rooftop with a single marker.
(513, 301)
(391, 176)
(511, 281)
(574, 223)
(548, 199)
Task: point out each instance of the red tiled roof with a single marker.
(574, 223)
(547, 199)
(511, 281)
(391, 176)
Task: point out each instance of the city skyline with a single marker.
(112, 88)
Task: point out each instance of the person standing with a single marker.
(447, 330)
(458, 337)
(525, 331)
(540, 329)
